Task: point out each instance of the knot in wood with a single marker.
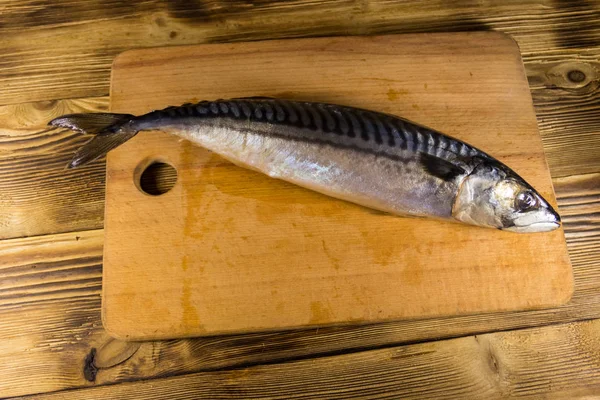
(576, 76)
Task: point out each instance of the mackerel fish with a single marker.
(365, 157)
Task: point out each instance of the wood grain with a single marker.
(64, 50)
(50, 267)
(566, 97)
(550, 362)
(50, 330)
(242, 252)
(49, 308)
(37, 195)
(56, 50)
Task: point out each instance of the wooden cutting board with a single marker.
(228, 250)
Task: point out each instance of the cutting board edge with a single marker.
(131, 54)
(127, 335)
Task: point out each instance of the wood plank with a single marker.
(292, 258)
(558, 361)
(50, 267)
(49, 308)
(566, 97)
(65, 49)
(37, 195)
(52, 325)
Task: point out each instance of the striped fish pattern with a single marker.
(337, 125)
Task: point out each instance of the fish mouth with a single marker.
(544, 219)
(542, 226)
(545, 226)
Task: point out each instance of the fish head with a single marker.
(494, 196)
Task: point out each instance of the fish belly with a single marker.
(397, 185)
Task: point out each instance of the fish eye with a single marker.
(525, 201)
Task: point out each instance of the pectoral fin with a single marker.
(439, 167)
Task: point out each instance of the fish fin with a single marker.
(89, 123)
(98, 146)
(111, 130)
(439, 167)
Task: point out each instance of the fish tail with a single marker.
(110, 130)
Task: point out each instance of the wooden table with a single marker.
(56, 58)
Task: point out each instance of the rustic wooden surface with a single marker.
(487, 367)
(241, 252)
(56, 58)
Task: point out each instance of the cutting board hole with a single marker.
(158, 178)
